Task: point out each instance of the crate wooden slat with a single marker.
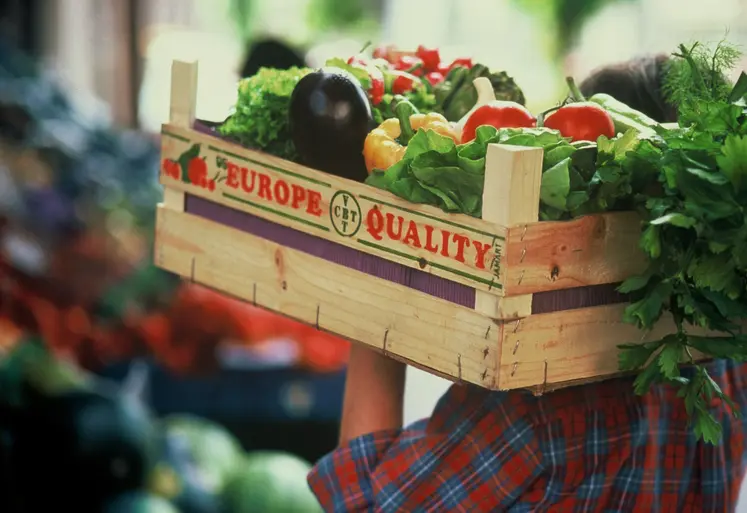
(504, 302)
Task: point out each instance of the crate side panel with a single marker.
(560, 349)
(439, 336)
(457, 247)
(346, 256)
(591, 250)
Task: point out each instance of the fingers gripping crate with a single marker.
(504, 302)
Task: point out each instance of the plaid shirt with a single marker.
(595, 448)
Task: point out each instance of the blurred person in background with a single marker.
(270, 53)
(591, 448)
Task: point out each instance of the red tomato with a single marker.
(500, 114)
(211, 185)
(170, 168)
(582, 121)
(434, 77)
(197, 172)
(430, 57)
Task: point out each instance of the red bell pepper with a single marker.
(403, 82)
(429, 56)
(411, 64)
(462, 61)
(376, 88)
(434, 77)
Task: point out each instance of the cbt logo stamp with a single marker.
(345, 213)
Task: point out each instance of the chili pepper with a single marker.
(356, 59)
(430, 57)
(403, 82)
(434, 77)
(462, 61)
(386, 144)
(384, 52)
(444, 68)
(376, 88)
(410, 64)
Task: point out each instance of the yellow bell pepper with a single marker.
(382, 149)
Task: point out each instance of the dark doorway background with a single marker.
(19, 22)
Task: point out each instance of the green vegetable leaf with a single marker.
(359, 73)
(635, 356)
(714, 272)
(646, 311)
(618, 147)
(650, 241)
(556, 184)
(670, 357)
(675, 219)
(733, 161)
(430, 141)
(734, 348)
(635, 283)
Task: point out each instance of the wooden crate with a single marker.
(504, 302)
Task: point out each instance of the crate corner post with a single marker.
(511, 196)
(182, 108)
(183, 103)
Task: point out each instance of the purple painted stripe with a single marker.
(332, 252)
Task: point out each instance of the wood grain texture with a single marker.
(590, 250)
(447, 339)
(560, 349)
(511, 195)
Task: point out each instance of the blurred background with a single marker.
(84, 89)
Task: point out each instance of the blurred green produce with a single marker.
(270, 482)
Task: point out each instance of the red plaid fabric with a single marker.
(596, 448)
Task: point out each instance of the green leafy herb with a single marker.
(260, 118)
(695, 232)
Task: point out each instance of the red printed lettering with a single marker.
(282, 192)
(298, 194)
(445, 234)
(390, 227)
(313, 207)
(462, 242)
(429, 239)
(232, 175)
(247, 183)
(480, 251)
(411, 237)
(375, 223)
(264, 187)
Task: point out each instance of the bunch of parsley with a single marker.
(260, 118)
(695, 236)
